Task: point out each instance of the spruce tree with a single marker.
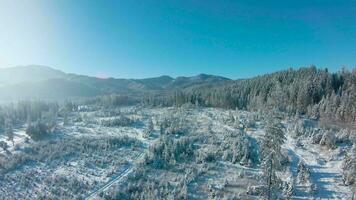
(272, 157)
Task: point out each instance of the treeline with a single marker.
(310, 91)
(26, 111)
(113, 100)
(315, 92)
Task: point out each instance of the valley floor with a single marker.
(86, 160)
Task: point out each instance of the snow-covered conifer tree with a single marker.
(272, 156)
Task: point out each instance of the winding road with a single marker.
(128, 169)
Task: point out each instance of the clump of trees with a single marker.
(168, 151)
(38, 130)
(238, 147)
(44, 157)
(113, 100)
(140, 186)
(176, 124)
(24, 111)
(330, 137)
(40, 118)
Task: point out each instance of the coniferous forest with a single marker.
(286, 135)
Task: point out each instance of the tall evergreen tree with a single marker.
(272, 157)
(9, 131)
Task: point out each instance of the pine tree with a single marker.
(10, 134)
(65, 119)
(4, 145)
(271, 154)
(150, 126)
(9, 131)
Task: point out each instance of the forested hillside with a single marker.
(311, 91)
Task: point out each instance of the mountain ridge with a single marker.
(27, 82)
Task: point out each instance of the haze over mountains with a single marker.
(41, 82)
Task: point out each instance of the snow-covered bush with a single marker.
(65, 187)
(108, 113)
(206, 155)
(117, 121)
(302, 128)
(303, 174)
(349, 167)
(256, 190)
(288, 188)
(89, 119)
(316, 137)
(237, 147)
(142, 187)
(328, 139)
(344, 136)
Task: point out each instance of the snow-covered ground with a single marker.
(101, 169)
(325, 168)
(19, 139)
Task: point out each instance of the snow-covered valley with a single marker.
(170, 153)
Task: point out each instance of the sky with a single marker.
(138, 39)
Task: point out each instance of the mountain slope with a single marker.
(46, 83)
(32, 73)
(201, 79)
(58, 89)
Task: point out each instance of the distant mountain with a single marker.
(40, 82)
(201, 79)
(32, 73)
(52, 89)
(157, 83)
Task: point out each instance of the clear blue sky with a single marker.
(135, 39)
